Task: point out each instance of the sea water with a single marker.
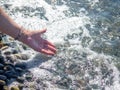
(87, 36)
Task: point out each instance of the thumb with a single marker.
(42, 31)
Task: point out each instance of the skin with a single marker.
(32, 38)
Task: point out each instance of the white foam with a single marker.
(58, 27)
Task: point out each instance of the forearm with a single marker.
(31, 38)
(7, 25)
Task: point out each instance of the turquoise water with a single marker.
(87, 35)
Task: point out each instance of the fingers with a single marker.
(48, 52)
(39, 32)
(49, 43)
(48, 49)
(53, 49)
(50, 46)
(42, 31)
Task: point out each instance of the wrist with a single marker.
(23, 35)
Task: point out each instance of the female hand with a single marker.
(34, 40)
(31, 38)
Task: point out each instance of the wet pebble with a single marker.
(5, 47)
(1, 66)
(14, 51)
(95, 86)
(22, 65)
(9, 63)
(14, 88)
(7, 53)
(24, 47)
(64, 82)
(29, 77)
(1, 71)
(8, 67)
(2, 59)
(18, 69)
(21, 86)
(21, 56)
(2, 77)
(11, 74)
(11, 58)
(20, 79)
(7, 5)
(5, 87)
(2, 83)
(81, 82)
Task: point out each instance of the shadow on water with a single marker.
(20, 71)
(37, 60)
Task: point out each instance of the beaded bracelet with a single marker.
(19, 35)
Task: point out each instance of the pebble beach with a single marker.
(86, 35)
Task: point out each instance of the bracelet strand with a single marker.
(19, 35)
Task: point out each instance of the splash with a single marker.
(86, 34)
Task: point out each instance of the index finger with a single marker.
(49, 43)
(48, 52)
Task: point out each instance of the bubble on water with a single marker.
(85, 33)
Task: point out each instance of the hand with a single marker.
(34, 40)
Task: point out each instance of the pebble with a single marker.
(20, 79)
(21, 86)
(14, 88)
(2, 83)
(14, 51)
(21, 56)
(9, 63)
(5, 47)
(1, 59)
(28, 77)
(2, 77)
(18, 69)
(81, 82)
(11, 58)
(10, 74)
(1, 71)
(8, 67)
(7, 53)
(5, 87)
(22, 65)
(1, 66)
(24, 47)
